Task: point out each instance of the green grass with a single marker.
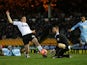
(37, 59)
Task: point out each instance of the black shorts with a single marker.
(27, 38)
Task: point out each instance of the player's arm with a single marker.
(74, 27)
(33, 31)
(8, 16)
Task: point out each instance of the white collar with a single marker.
(57, 34)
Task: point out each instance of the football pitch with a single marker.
(36, 59)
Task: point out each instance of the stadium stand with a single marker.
(18, 42)
(13, 42)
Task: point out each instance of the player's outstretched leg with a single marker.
(35, 41)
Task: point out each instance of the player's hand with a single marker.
(7, 12)
(69, 30)
(33, 31)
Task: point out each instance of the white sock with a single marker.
(39, 48)
(27, 54)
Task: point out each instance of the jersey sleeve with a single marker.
(75, 26)
(16, 22)
(62, 39)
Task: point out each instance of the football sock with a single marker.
(39, 48)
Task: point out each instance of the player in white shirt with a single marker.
(27, 33)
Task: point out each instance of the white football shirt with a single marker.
(23, 27)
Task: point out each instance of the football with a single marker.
(43, 52)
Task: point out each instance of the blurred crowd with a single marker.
(64, 13)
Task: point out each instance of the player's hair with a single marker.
(82, 16)
(22, 16)
(56, 26)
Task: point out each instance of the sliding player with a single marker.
(27, 33)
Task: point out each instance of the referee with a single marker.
(27, 33)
